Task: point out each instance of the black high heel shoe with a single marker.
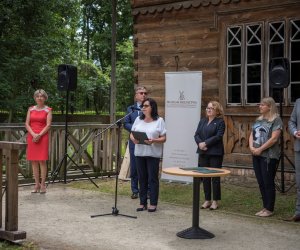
(140, 209)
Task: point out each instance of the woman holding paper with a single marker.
(209, 138)
(148, 154)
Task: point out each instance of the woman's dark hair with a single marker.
(153, 105)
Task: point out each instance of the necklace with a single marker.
(40, 108)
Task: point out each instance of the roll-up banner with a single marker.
(182, 115)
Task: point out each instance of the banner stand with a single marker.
(182, 115)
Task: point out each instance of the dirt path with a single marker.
(61, 220)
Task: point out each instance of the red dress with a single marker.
(38, 151)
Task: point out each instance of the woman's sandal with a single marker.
(214, 206)
(260, 212)
(266, 213)
(43, 190)
(206, 204)
(36, 189)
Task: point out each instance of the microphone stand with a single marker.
(115, 210)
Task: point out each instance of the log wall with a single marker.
(191, 36)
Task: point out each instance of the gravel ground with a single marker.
(61, 220)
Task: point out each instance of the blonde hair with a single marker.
(218, 108)
(273, 113)
(40, 92)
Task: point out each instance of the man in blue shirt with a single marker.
(140, 96)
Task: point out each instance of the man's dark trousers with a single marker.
(133, 170)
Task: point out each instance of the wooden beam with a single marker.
(11, 232)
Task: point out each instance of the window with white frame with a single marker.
(248, 65)
(253, 64)
(276, 48)
(234, 65)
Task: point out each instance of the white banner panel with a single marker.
(182, 115)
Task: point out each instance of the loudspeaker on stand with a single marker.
(67, 77)
(279, 73)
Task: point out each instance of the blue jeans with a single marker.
(265, 171)
(148, 170)
(133, 170)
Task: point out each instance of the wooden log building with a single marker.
(232, 43)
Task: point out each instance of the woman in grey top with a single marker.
(264, 146)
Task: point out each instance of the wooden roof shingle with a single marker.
(177, 5)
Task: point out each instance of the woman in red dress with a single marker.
(38, 123)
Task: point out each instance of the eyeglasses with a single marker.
(145, 106)
(209, 108)
(142, 93)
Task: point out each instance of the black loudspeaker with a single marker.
(279, 73)
(67, 77)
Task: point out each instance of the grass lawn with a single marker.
(236, 198)
(10, 246)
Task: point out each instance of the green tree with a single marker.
(36, 36)
(96, 37)
(97, 34)
(125, 79)
(93, 87)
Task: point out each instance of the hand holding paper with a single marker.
(141, 137)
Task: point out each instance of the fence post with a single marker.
(11, 232)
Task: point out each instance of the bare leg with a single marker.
(36, 175)
(43, 166)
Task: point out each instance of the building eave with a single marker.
(178, 6)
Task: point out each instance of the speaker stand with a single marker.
(281, 188)
(64, 160)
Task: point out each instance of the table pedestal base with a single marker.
(195, 233)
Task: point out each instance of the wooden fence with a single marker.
(88, 146)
